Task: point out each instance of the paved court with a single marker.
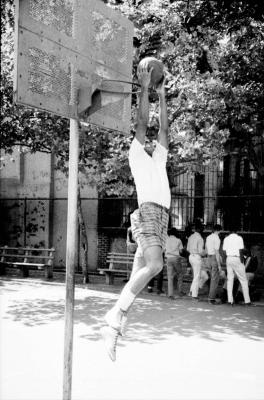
(173, 349)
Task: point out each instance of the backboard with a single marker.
(69, 52)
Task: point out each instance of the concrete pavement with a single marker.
(172, 350)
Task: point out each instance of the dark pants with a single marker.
(159, 278)
(212, 263)
(174, 270)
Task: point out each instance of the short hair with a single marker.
(173, 232)
(233, 226)
(198, 225)
(217, 227)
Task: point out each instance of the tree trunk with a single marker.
(83, 240)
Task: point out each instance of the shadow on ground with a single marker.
(151, 319)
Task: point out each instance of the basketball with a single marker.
(158, 69)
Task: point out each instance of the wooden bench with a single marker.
(119, 264)
(26, 258)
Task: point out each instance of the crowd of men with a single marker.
(209, 260)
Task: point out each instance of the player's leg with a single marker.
(153, 263)
(148, 225)
(139, 261)
(114, 317)
(117, 316)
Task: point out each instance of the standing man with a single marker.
(195, 247)
(174, 266)
(233, 246)
(212, 246)
(149, 222)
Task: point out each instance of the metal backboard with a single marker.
(71, 51)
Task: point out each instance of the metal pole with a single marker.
(25, 222)
(70, 257)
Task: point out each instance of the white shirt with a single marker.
(150, 174)
(232, 244)
(173, 246)
(212, 244)
(195, 244)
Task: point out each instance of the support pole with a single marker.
(70, 257)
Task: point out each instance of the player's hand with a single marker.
(144, 76)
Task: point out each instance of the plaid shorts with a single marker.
(149, 225)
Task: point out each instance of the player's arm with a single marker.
(201, 246)
(144, 77)
(217, 254)
(241, 250)
(224, 251)
(163, 115)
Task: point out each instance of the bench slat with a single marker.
(119, 258)
(120, 261)
(113, 270)
(26, 263)
(25, 256)
(26, 248)
(120, 254)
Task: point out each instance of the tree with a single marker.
(213, 52)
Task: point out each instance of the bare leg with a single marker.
(153, 265)
(141, 275)
(139, 262)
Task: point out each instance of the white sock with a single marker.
(126, 299)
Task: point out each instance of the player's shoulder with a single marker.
(160, 148)
(160, 152)
(136, 148)
(136, 145)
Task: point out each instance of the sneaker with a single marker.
(110, 336)
(115, 321)
(212, 301)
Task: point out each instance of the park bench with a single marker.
(25, 258)
(118, 264)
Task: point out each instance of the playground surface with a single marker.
(172, 350)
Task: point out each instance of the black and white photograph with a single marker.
(132, 200)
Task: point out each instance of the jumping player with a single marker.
(149, 222)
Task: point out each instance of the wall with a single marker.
(26, 175)
(89, 208)
(37, 221)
